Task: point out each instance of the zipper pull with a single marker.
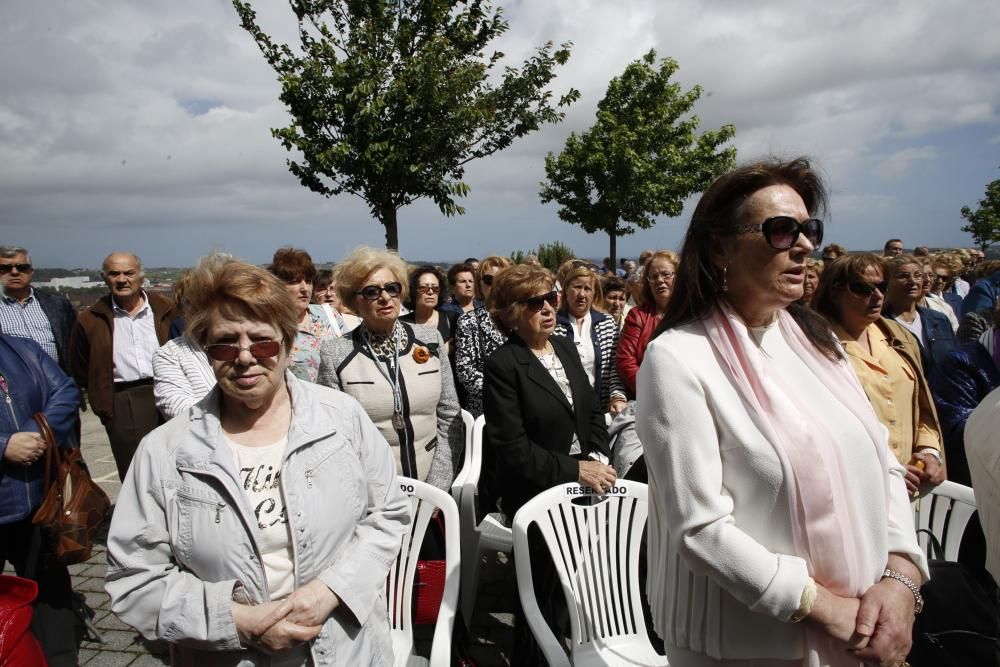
(218, 512)
(309, 478)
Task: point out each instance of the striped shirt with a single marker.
(27, 320)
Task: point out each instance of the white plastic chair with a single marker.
(468, 421)
(478, 537)
(424, 499)
(945, 512)
(595, 549)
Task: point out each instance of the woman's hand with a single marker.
(24, 448)
(617, 406)
(312, 604)
(886, 617)
(597, 475)
(266, 625)
(931, 472)
(837, 616)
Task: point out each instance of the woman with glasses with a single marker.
(905, 279)
(223, 541)
(780, 531)
(592, 333)
(476, 338)
(657, 284)
(932, 298)
(886, 359)
(425, 303)
(544, 424)
(399, 372)
(296, 270)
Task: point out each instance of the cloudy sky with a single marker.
(145, 125)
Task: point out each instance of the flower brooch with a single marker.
(422, 353)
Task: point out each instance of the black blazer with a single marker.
(530, 424)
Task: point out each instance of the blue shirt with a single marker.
(28, 320)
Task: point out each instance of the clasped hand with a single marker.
(875, 628)
(276, 626)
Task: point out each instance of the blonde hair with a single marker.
(223, 286)
(581, 272)
(670, 256)
(486, 264)
(350, 273)
(513, 285)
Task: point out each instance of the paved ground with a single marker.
(491, 633)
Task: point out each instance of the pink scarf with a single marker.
(821, 506)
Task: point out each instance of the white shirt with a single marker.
(134, 342)
(584, 344)
(961, 287)
(259, 470)
(982, 447)
(938, 303)
(914, 328)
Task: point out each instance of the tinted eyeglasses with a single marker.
(861, 288)
(373, 292)
(426, 289)
(21, 268)
(782, 231)
(536, 303)
(264, 349)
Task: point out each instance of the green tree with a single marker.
(552, 255)
(984, 222)
(642, 157)
(390, 100)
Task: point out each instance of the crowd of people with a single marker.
(785, 401)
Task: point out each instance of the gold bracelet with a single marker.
(806, 602)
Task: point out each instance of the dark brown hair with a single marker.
(415, 276)
(513, 285)
(290, 265)
(719, 212)
(836, 276)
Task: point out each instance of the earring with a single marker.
(725, 283)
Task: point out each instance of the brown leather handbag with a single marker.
(73, 508)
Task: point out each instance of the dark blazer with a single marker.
(960, 383)
(938, 334)
(61, 315)
(953, 300)
(530, 424)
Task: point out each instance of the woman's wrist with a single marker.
(806, 602)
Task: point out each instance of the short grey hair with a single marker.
(104, 264)
(10, 251)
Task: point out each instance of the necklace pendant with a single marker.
(397, 421)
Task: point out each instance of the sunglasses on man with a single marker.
(782, 231)
(373, 292)
(21, 268)
(536, 303)
(264, 349)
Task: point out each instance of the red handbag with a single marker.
(18, 647)
(428, 583)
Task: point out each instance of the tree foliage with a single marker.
(550, 255)
(390, 100)
(642, 157)
(984, 222)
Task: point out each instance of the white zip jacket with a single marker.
(181, 546)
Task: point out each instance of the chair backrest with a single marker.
(467, 423)
(945, 512)
(424, 499)
(595, 548)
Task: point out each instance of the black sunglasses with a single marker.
(264, 349)
(782, 231)
(21, 268)
(487, 279)
(536, 303)
(372, 292)
(861, 288)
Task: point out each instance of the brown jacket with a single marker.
(90, 348)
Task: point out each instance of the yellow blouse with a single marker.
(891, 385)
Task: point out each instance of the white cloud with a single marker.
(898, 165)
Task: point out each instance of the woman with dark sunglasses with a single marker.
(780, 531)
(399, 372)
(425, 303)
(476, 338)
(544, 423)
(886, 359)
(258, 526)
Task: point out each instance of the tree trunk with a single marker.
(613, 252)
(388, 220)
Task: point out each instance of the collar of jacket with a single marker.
(158, 304)
(538, 373)
(563, 317)
(201, 451)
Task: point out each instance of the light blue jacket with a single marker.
(182, 543)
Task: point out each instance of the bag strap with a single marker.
(52, 453)
(936, 551)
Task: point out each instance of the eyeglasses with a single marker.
(536, 303)
(907, 277)
(782, 231)
(21, 268)
(487, 279)
(425, 289)
(860, 288)
(264, 349)
(665, 276)
(372, 292)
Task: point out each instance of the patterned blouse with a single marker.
(476, 338)
(304, 360)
